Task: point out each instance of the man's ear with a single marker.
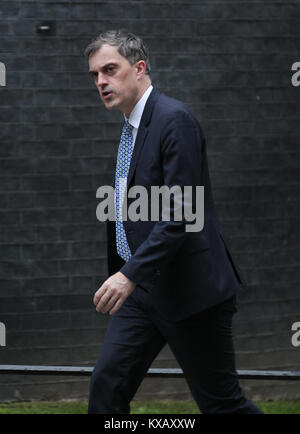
(140, 69)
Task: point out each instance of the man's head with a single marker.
(120, 67)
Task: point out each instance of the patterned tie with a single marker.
(123, 163)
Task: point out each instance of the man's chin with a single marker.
(109, 105)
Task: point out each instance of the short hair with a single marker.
(130, 46)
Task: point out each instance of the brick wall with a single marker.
(228, 60)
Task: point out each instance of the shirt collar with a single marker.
(137, 112)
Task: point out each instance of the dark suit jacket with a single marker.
(185, 272)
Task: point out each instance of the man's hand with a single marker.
(112, 294)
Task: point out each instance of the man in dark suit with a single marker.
(166, 284)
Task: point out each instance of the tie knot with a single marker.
(127, 127)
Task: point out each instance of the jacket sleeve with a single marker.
(181, 148)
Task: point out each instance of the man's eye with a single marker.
(110, 68)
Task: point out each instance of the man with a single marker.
(166, 284)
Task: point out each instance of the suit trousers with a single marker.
(201, 343)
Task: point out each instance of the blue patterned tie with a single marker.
(123, 163)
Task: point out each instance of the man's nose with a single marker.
(101, 80)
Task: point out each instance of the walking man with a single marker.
(166, 284)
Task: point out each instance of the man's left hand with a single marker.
(112, 294)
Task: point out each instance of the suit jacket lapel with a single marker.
(142, 132)
(139, 143)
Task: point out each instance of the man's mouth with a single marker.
(106, 94)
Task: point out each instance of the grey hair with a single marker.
(130, 46)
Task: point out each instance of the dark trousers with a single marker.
(201, 343)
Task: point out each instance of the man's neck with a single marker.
(139, 96)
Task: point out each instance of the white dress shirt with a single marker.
(134, 120)
(137, 112)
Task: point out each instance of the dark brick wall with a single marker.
(228, 60)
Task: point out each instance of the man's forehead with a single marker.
(106, 54)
